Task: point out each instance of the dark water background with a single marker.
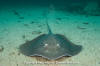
(43, 2)
(65, 5)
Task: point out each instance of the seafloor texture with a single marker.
(18, 25)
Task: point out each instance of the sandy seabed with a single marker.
(17, 25)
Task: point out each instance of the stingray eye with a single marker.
(58, 45)
(45, 45)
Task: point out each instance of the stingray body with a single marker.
(50, 46)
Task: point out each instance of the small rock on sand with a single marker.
(1, 48)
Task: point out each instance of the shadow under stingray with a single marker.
(50, 46)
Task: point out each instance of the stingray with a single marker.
(50, 46)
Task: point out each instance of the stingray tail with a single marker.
(49, 30)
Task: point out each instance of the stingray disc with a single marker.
(51, 46)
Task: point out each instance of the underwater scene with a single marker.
(49, 32)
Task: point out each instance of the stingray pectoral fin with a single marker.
(26, 49)
(75, 49)
(30, 47)
(68, 46)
